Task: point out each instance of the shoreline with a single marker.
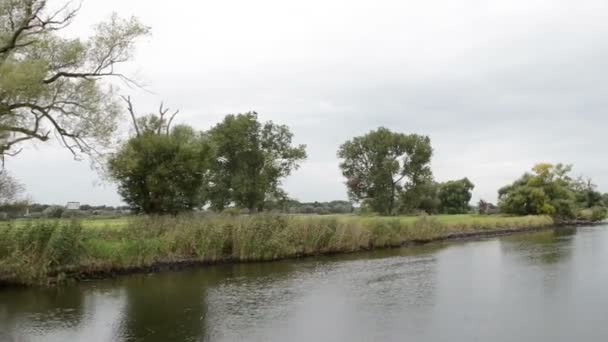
(155, 245)
(187, 264)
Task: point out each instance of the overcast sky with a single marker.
(497, 85)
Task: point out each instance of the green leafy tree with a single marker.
(549, 190)
(486, 208)
(381, 164)
(54, 211)
(455, 196)
(586, 194)
(50, 83)
(162, 169)
(252, 159)
(423, 197)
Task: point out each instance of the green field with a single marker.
(41, 252)
(449, 220)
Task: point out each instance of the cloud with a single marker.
(498, 85)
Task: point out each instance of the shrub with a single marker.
(54, 211)
(598, 214)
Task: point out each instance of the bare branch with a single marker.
(132, 112)
(171, 120)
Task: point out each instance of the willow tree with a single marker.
(51, 85)
(162, 169)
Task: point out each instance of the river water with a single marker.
(549, 286)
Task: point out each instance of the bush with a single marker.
(598, 214)
(595, 214)
(54, 211)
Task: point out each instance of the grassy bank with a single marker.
(41, 252)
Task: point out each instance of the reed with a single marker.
(45, 252)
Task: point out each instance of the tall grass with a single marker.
(47, 251)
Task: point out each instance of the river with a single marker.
(548, 286)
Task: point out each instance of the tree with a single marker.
(252, 159)
(485, 208)
(10, 188)
(586, 194)
(455, 196)
(54, 211)
(549, 190)
(423, 197)
(49, 83)
(381, 164)
(162, 169)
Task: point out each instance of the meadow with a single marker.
(46, 252)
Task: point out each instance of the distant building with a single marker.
(73, 206)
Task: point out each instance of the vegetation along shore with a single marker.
(45, 252)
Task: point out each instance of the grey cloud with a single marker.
(498, 86)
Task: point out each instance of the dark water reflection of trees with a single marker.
(549, 247)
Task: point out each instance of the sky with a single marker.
(498, 85)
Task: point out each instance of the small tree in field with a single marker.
(162, 169)
(455, 196)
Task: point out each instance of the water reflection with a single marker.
(547, 286)
(40, 311)
(547, 247)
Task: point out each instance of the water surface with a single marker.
(549, 286)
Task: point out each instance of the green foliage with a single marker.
(549, 190)
(40, 252)
(586, 194)
(381, 164)
(486, 208)
(51, 83)
(455, 196)
(595, 214)
(252, 159)
(423, 197)
(321, 208)
(163, 173)
(13, 210)
(54, 211)
(599, 214)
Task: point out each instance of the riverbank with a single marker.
(47, 252)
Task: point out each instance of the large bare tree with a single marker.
(56, 86)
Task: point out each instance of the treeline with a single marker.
(238, 163)
(390, 173)
(551, 190)
(320, 208)
(24, 209)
